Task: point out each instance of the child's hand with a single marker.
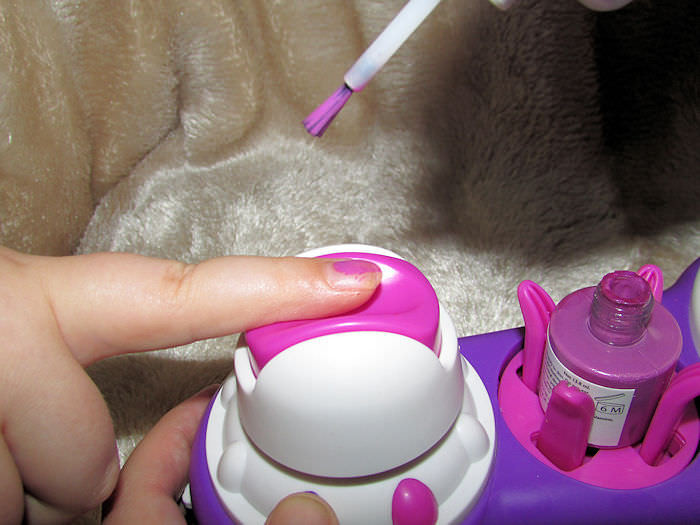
(596, 5)
(57, 450)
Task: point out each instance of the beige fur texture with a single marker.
(547, 142)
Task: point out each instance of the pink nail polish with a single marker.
(353, 274)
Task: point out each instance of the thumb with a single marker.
(304, 508)
(157, 469)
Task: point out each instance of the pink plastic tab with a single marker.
(404, 303)
(567, 423)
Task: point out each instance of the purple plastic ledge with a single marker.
(404, 303)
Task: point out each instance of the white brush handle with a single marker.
(388, 42)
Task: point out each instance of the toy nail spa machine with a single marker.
(586, 415)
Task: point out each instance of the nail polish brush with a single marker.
(370, 62)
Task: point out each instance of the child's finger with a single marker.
(107, 304)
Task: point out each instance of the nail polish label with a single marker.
(612, 405)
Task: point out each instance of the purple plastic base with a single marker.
(522, 489)
(206, 504)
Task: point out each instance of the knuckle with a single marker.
(176, 286)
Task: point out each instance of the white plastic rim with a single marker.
(695, 312)
(249, 484)
(351, 404)
(349, 248)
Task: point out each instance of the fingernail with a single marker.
(353, 274)
(503, 4)
(306, 507)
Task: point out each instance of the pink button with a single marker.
(404, 303)
(413, 504)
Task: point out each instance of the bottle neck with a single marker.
(621, 308)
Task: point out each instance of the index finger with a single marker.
(107, 304)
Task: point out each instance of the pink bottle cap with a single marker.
(404, 303)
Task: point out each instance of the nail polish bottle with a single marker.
(617, 345)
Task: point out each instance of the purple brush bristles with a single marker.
(319, 120)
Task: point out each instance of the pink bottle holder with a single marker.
(619, 468)
(614, 339)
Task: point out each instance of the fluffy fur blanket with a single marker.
(548, 142)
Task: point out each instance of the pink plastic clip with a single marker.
(655, 277)
(684, 387)
(537, 307)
